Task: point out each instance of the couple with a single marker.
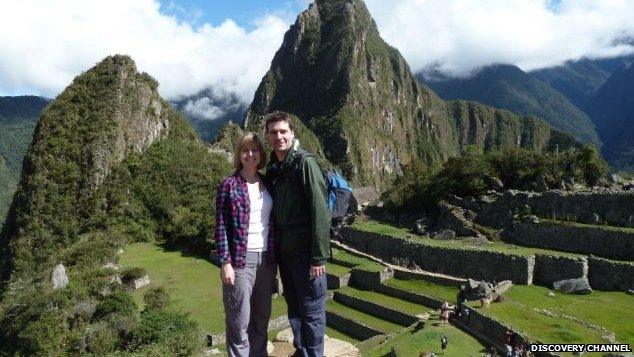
(281, 219)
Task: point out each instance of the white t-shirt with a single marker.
(261, 205)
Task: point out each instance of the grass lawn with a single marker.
(610, 310)
(358, 262)
(384, 300)
(336, 269)
(445, 293)
(193, 283)
(363, 318)
(411, 342)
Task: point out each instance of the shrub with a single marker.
(156, 299)
(168, 328)
(118, 302)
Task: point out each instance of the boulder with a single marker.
(140, 282)
(573, 286)
(59, 279)
(337, 348)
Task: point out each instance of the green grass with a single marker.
(384, 300)
(411, 342)
(336, 269)
(497, 246)
(363, 318)
(356, 261)
(441, 292)
(193, 283)
(611, 310)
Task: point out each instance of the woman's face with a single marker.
(250, 156)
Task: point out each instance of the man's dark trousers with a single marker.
(306, 300)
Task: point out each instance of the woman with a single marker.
(245, 247)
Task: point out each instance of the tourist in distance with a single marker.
(302, 225)
(246, 250)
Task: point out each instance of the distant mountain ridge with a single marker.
(18, 117)
(369, 113)
(580, 80)
(612, 108)
(508, 87)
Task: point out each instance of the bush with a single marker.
(156, 299)
(171, 329)
(420, 189)
(44, 336)
(119, 302)
(102, 340)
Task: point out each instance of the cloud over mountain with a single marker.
(458, 36)
(44, 44)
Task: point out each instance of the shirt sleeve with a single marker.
(313, 181)
(222, 214)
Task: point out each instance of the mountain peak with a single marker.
(357, 95)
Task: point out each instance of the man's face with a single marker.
(280, 135)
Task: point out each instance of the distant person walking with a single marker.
(302, 223)
(443, 343)
(245, 247)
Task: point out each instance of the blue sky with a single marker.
(243, 12)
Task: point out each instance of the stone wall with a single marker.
(350, 327)
(337, 282)
(613, 208)
(488, 329)
(460, 262)
(374, 309)
(605, 274)
(549, 269)
(365, 279)
(607, 242)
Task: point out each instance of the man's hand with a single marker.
(317, 270)
(227, 275)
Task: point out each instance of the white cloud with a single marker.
(458, 36)
(45, 44)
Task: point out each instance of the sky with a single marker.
(227, 45)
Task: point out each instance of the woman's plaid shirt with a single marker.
(232, 222)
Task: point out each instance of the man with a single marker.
(302, 226)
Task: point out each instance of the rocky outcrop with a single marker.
(359, 97)
(59, 279)
(456, 219)
(105, 115)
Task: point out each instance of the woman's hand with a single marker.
(227, 275)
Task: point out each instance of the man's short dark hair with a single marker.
(278, 116)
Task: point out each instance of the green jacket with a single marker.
(300, 211)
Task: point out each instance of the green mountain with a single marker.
(580, 80)
(18, 116)
(508, 87)
(110, 163)
(359, 97)
(612, 109)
